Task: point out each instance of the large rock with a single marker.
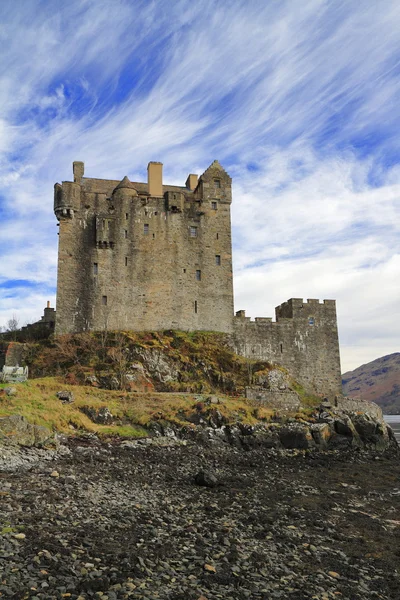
(17, 429)
(321, 433)
(206, 479)
(65, 396)
(101, 416)
(296, 436)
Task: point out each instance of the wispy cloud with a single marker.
(299, 101)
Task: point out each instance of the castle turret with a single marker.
(215, 185)
(67, 195)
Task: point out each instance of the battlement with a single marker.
(297, 308)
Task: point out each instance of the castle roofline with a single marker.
(94, 184)
(215, 169)
(126, 184)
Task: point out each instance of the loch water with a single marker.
(394, 422)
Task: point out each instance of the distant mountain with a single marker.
(378, 381)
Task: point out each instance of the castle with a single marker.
(150, 257)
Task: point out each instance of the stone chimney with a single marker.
(191, 182)
(154, 175)
(79, 170)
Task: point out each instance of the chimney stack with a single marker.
(78, 168)
(154, 174)
(191, 182)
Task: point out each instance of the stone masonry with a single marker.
(144, 256)
(149, 257)
(304, 340)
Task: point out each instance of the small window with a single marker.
(218, 259)
(126, 216)
(154, 235)
(146, 229)
(193, 232)
(195, 306)
(214, 205)
(126, 233)
(217, 183)
(95, 268)
(198, 275)
(126, 261)
(104, 224)
(281, 348)
(311, 321)
(217, 236)
(104, 300)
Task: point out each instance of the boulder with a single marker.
(10, 391)
(65, 396)
(101, 416)
(206, 479)
(17, 429)
(296, 436)
(321, 433)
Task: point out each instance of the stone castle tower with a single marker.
(144, 256)
(149, 257)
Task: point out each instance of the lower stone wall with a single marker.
(286, 400)
(303, 340)
(356, 405)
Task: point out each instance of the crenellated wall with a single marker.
(303, 339)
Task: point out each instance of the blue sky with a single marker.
(300, 101)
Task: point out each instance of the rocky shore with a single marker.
(182, 520)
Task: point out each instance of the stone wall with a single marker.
(131, 261)
(358, 406)
(304, 340)
(285, 400)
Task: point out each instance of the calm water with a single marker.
(394, 422)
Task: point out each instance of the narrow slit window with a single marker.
(193, 232)
(214, 205)
(95, 268)
(198, 275)
(126, 261)
(195, 306)
(126, 233)
(126, 216)
(217, 236)
(154, 235)
(104, 300)
(218, 259)
(146, 229)
(281, 348)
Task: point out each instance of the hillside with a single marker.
(377, 381)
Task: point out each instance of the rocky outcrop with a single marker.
(101, 416)
(19, 431)
(325, 432)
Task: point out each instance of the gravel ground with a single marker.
(113, 521)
